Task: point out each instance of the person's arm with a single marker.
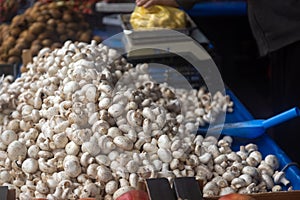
(185, 4)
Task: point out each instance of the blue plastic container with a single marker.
(265, 144)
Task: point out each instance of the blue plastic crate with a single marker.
(265, 144)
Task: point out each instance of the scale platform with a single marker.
(159, 41)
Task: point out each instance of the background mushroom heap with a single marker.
(42, 25)
(82, 122)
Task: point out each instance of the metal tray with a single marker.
(153, 35)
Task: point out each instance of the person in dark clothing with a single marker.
(276, 27)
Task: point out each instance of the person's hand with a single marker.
(148, 3)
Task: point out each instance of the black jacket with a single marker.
(274, 23)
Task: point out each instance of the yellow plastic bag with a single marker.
(157, 17)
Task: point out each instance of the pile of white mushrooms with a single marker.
(82, 122)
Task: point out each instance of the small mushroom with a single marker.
(30, 165)
(279, 177)
(238, 183)
(164, 142)
(228, 176)
(252, 171)
(211, 189)
(123, 143)
(221, 158)
(276, 188)
(227, 190)
(268, 180)
(15, 150)
(116, 110)
(8, 136)
(272, 161)
(247, 178)
(251, 147)
(243, 153)
(233, 156)
(111, 187)
(133, 180)
(205, 158)
(220, 181)
(164, 155)
(251, 161)
(265, 168)
(104, 174)
(72, 166)
(121, 191)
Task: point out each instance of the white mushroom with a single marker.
(205, 158)
(91, 147)
(238, 183)
(116, 110)
(8, 136)
(84, 132)
(30, 165)
(5, 176)
(123, 142)
(220, 181)
(91, 170)
(164, 155)
(121, 191)
(104, 174)
(16, 150)
(268, 180)
(226, 190)
(272, 161)
(33, 151)
(164, 142)
(265, 168)
(111, 187)
(276, 188)
(247, 178)
(252, 171)
(210, 189)
(279, 177)
(72, 166)
(72, 148)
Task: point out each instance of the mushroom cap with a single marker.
(268, 180)
(278, 175)
(265, 168)
(272, 161)
(16, 149)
